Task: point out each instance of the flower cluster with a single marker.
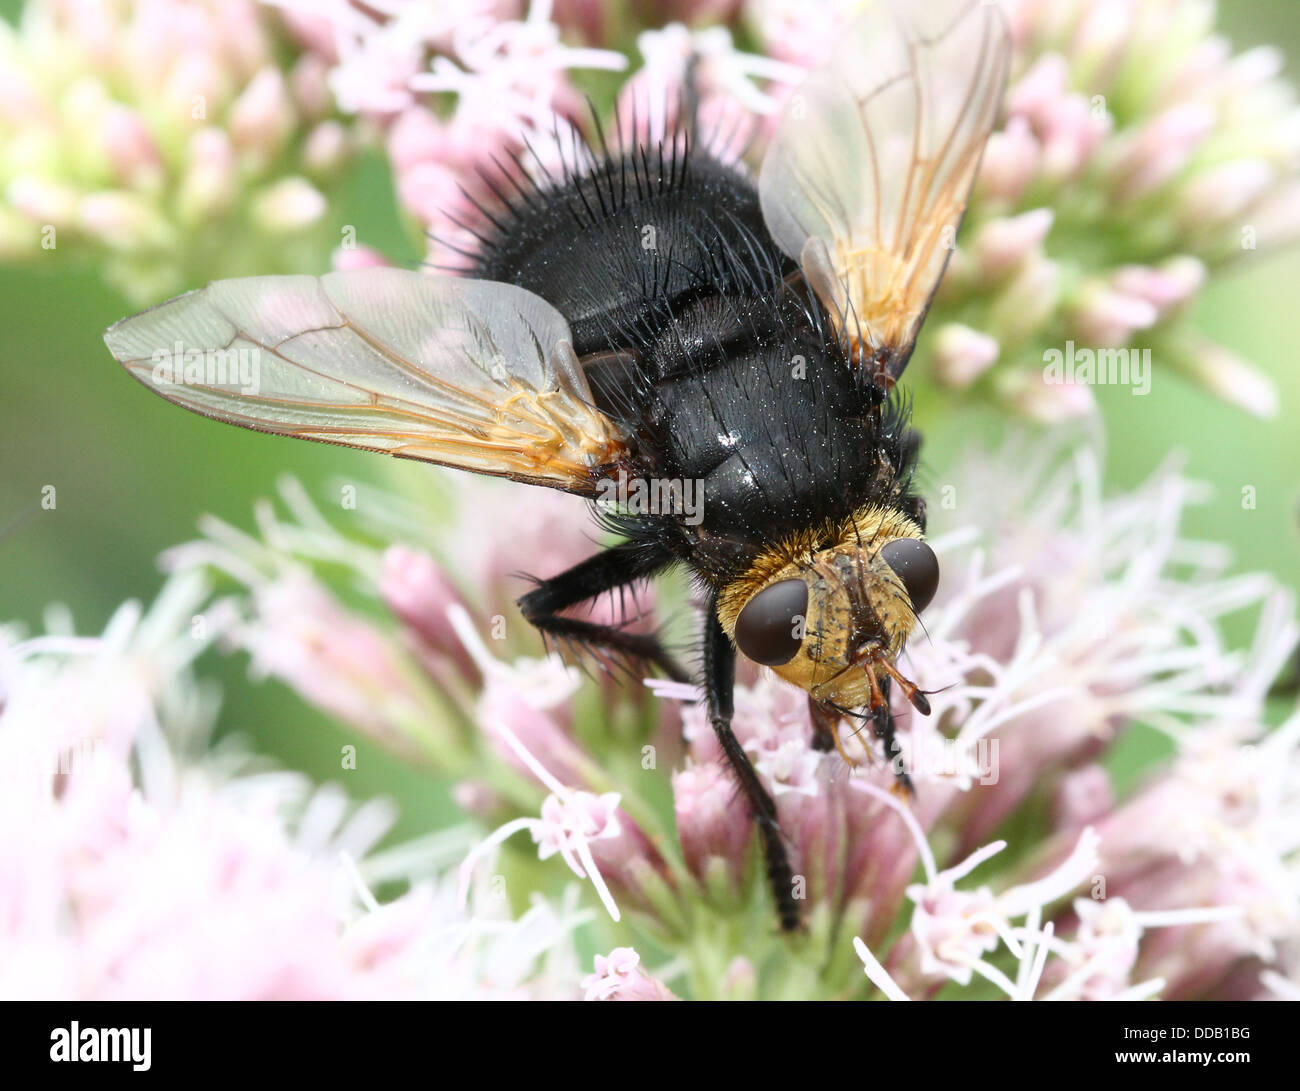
(1136, 155)
(140, 861)
(166, 141)
(505, 71)
(1067, 624)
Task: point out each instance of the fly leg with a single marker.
(719, 686)
(826, 731)
(611, 570)
(883, 722)
(824, 723)
(882, 718)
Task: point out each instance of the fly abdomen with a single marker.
(767, 418)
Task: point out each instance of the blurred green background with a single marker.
(133, 473)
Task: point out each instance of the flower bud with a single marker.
(262, 117)
(710, 825)
(1003, 244)
(962, 355)
(288, 206)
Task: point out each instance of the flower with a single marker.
(141, 862)
(1126, 170)
(618, 977)
(731, 96)
(163, 141)
(1067, 621)
(569, 823)
(506, 77)
(713, 831)
(1140, 131)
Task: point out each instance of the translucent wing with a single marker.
(868, 173)
(464, 373)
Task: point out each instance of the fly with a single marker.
(752, 352)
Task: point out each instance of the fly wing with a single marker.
(868, 173)
(472, 374)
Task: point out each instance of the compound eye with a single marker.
(770, 628)
(916, 565)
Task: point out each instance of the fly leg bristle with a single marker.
(840, 748)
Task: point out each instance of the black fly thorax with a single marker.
(613, 245)
(732, 381)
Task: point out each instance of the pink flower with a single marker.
(301, 634)
(798, 33)
(962, 354)
(524, 705)
(1003, 244)
(1155, 153)
(730, 102)
(131, 147)
(263, 115)
(1068, 127)
(1225, 193)
(1166, 287)
(1229, 376)
(155, 869)
(618, 977)
(420, 593)
(1048, 403)
(512, 72)
(356, 257)
(712, 829)
(570, 823)
(1108, 318)
(1012, 157)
